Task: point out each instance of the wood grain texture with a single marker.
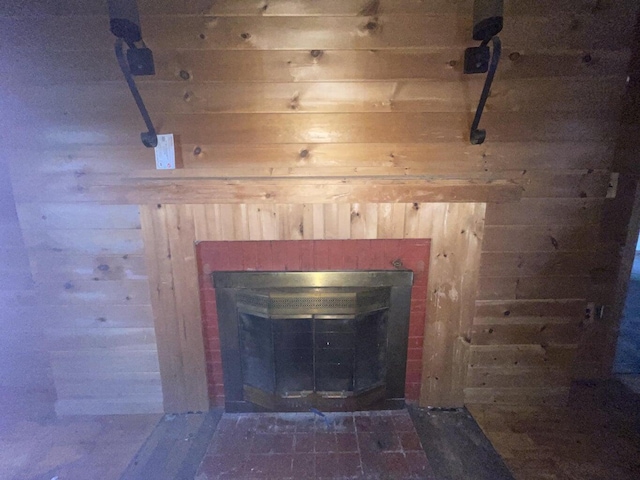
(310, 7)
(455, 248)
(453, 273)
(568, 30)
(324, 119)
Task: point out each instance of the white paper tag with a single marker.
(165, 152)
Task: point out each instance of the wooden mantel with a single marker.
(178, 189)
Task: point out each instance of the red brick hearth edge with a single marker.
(312, 255)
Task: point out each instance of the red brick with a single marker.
(321, 248)
(414, 366)
(208, 296)
(416, 342)
(413, 377)
(351, 250)
(414, 354)
(280, 253)
(265, 257)
(307, 255)
(214, 343)
(376, 256)
(416, 327)
(235, 252)
(419, 293)
(336, 254)
(412, 391)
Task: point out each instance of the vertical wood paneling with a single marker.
(171, 230)
(455, 251)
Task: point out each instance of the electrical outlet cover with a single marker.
(165, 152)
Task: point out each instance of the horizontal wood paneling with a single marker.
(444, 64)
(517, 288)
(522, 95)
(540, 238)
(104, 241)
(91, 316)
(311, 7)
(51, 216)
(319, 119)
(565, 31)
(74, 266)
(394, 127)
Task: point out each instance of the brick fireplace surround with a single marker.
(312, 255)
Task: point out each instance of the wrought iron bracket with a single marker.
(143, 67)
(477, 61)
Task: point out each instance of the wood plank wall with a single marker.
(25, 373)
(272, 99)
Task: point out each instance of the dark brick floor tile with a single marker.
(326, 442)
(227, 424)
(363, 423)
(386, 466)
(338, 466)
(304, 442)
(379, 442)
(306, 424)
(228, 444)
(225, 466)
(271, 466)
(272, 443)
(346, 442)
(409, 441)
(266, 424)
(287, 422)
(247, 422)
(304, 466)
(403, 423)
(382, 423)
(419, 467)
(343, 424)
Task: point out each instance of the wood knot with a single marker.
(184, 75)
(304, 153)
(316, 53)
(197, 151)
(103, 267)
(587, 58)
(371, 26)
(514, 56)
(245, 36)
(202, 36)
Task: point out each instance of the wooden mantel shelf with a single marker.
(171, 189)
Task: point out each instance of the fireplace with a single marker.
(312, 256)
(327, 340)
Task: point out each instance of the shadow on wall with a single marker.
(26, 384)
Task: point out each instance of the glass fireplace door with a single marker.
(322, 361)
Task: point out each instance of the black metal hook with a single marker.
(149, 138)
(477, 135)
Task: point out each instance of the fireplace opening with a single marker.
(334, 341)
